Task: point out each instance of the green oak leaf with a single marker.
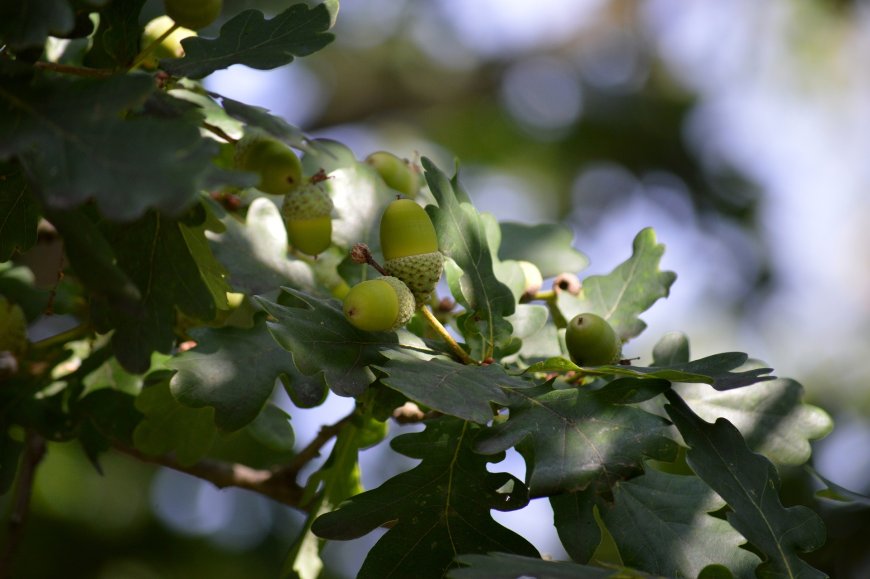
(508, 566)
(261, 118)
(155, 255)
(28, 24)
(169, 426)
(547, 245)
(749, 483)
(770, 415)
(10, 452)
(622, 295)
(572, 437)
(116, 41)
(57, 126)
(249, 39)
(255, 252)
(440, 508)
(19, 212)
(462, 237)
(658, 522)
(272, 429)
(232, 370)
(323, 342)
(466, 392)
(575, 522)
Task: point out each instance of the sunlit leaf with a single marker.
(547, 245)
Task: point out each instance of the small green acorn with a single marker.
(410, 247)
(591, 341)
(193, 14)
(169, 47)
(380, 304)
(278, 166)
(397, 173)
(307, 214)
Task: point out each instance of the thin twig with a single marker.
(146, 52)
(445, 335)
(76, 70)
(34, 451)
(312, 450)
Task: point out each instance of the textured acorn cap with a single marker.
(406, 229)
(380, 304)
(419, 272)
(307, 202)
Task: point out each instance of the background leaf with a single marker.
(626, 292)
(441, 507)
(232, 370)
(19, 211)
(249, 39)
(749, 483)
(507, 566)
(572, 437)
(27, 24)
(547, 245)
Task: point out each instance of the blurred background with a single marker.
(739, 130)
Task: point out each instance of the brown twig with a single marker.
(360, 253)
(34, 451)
(312, 450)
(76, 70)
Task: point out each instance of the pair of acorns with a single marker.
(413, 265)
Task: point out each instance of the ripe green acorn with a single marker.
(278, 166)
(410, 247)
(13, 328)
(169, 47)
(592, 341)
(194, 14)
(380, 304)
(397, 173)
(307, 214)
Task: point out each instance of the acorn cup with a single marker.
(307, 215)
(410, 248)
(381, 304)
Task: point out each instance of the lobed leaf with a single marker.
(622, 295)
(249, 39)
(462, 238)
(440, 508)
(466, 392)
(232, 370)
(19, 212)
(749, 483)
(547, 245)
(27, 24)
(659, 523)
(572, 437)
(508, 566)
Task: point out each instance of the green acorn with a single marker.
(193, 14)
(380, 304)
(410, 247)
(278, 166)
(307, 214)
(397, 173)
(13, 328)
(592, 341)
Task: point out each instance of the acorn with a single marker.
(592, 341)
(399, 174)
(381, 304)
(169, 47)
(307, 215)
(278, 166)
(410, 247)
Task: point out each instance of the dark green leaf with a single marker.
(659, 522)
(835, 492)
(441, 508)
(27, 23)
(169, 426)
(749, 483)
(570, 438)
(272, 429)
(117, 39)
(507, 566)
(629, 290)
(574, 519)
(263, 119)
(10, 452)
(462, 237)
(249, 39)
(547, 245)
(232, 370)
(19, 212)
(112, 413)
(74, 145)
(458, 390)
(323, 342)
(631, 390)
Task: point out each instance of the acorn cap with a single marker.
(307, 202)
(419, 272)
(406, 229)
